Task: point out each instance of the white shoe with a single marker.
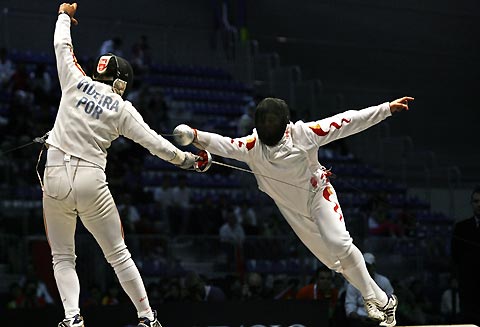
(76, 321)
(389, 310)
(371, 306)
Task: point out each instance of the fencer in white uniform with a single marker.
(300, 186)
(92, 113)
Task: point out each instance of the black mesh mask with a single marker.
(115, 71)
(271, 118)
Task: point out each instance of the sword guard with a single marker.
(204, 163)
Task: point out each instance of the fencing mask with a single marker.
(271, 118)
(115, 71)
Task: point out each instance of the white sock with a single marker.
(355, 272)
(380, 295)
(69, 289)
(135, 290)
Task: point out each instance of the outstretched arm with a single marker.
(352, 121)
(134, 127)
(227, 147)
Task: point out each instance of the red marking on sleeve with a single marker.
(320, 132)
(240, 144)
(326, 194)
(75, 62)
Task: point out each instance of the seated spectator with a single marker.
(232, 237)
(321, 288)
(197, 290)
(246, 123)
(141, 59)
(173, 290)
(450, 302)
(41, 83)
(16, 297)
(113, 45)
(379, 221)
(284, 289)
(112, 296)
(247, 217)
(181, 204)
(7, 68)
(93, 297)
(253, 288)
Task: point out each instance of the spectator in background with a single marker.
(20, 86)
(284, 289)
(253, 287)
(112, 295)
(16, 297)
(173, 290)
(113, 45)
(354, 303)
(247, 217)
(450, 302)
(208, 208)
(163, 198)
(93, 297)
(246, 122)
(180, 214)
(321, 288)
(41, 83)
(129, 213)
(6, 67)
(224, 32)
(465, 249)
(232, 237)
(379, 221)
(141, 58)
(197, 290)
(31, 283)
(423, 306)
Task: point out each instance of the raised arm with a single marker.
(69, 71)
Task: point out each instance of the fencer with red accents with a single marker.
(284, 158)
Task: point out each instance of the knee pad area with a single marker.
(121, 262)
(63, 261)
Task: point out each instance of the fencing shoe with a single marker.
(145, 322)
(389, 310)
(371, 306)
(76, 321)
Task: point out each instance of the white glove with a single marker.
(189, 161)
(184, 134)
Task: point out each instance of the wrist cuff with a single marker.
(179, 158)
(64, 12)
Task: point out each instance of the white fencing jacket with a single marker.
(294, 160)
(91, 115)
